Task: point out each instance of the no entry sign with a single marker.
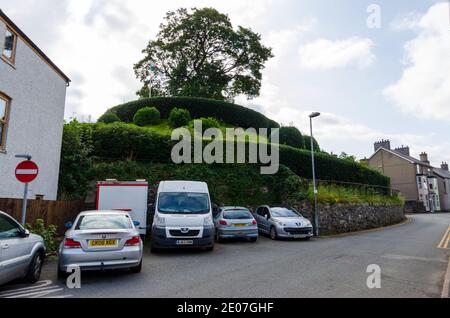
(27, 171)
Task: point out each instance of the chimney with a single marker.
(403, 150)
(444, 166)
(386, 144)
(424, 158)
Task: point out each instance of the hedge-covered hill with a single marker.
(121, 141)
(228, 113)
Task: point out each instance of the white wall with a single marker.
(35, 123)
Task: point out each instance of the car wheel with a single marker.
(34, 271)
(61, 274)
(136, 269)
(273, 233)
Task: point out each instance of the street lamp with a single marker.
(315, 213)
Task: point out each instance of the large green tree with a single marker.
(198, 53)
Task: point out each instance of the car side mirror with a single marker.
(68, 225)
(25, 233)
(136, 223)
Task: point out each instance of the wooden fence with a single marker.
(52, 212)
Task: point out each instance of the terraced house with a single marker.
(425, 188)
(32, 101)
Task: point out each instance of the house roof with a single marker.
(442, 173)
(403, 156)
(33, 46)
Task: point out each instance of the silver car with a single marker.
(21, 253)
(235, 222)
(283, 222)
(99, 240)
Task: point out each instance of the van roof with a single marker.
(183, 186)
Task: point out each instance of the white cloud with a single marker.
(336, 133)
(325, 54)
(424, 87)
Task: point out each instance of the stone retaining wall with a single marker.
(344, 218)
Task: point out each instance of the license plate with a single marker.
(103, 243)
(185, 242)
(240, 225)
(299, 236)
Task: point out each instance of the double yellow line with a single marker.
(445, 242)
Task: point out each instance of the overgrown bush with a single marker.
(108, 118)
(229, 113)
(291, 136)
(179, 117)
(76, 160)
(48, 233)
(147, 116)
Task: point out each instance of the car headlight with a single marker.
(208, 221)
(160, 222)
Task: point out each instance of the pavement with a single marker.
(412, 259)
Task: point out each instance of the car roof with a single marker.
(228, 208)
(183, 186)
(97, 212)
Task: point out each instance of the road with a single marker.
(411, 264)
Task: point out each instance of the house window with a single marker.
(4, 110)
(10, 45)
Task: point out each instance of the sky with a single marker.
(387, 78)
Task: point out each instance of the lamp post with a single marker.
(315, 213)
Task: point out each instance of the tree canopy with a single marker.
(198, 53)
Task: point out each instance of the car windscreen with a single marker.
(237, 215)
(183, 203)
(284, 213)
(104, 222)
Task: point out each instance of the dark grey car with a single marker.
(235, 222)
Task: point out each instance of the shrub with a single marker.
(147, 116)
(291, 136)
(49, 234)
(76, 160)
(229, 113)
(209, 122)
(108, 118)
(179, 117)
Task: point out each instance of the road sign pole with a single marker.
(24, 204)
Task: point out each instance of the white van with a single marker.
(183, 216)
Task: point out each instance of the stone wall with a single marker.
(344, 218)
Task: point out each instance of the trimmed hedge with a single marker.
(121, 141)
(291, 136)
(147, 116)
(109, 118)
(228, 113)
(179, 117)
